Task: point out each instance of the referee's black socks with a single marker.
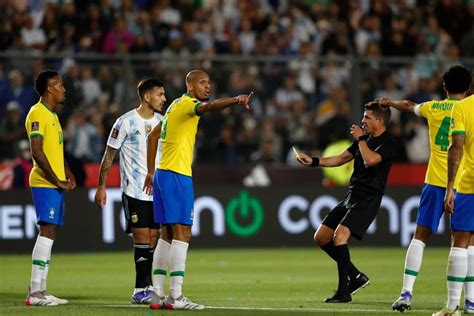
(343, 260)
(329, 249)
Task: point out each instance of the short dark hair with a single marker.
(146, 85)
(457, 79)
(379, 112)
(41, 81)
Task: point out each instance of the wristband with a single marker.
(363, 137)
(315, 162)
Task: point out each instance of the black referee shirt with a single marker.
(372, 179)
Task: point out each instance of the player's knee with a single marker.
(340, 239)
(321, 239)
(48, 230)
(422, 233)
(153, 238)
(187, 237)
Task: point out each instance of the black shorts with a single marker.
(356, 211)
(138, 213)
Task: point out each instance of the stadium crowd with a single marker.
(301, 85)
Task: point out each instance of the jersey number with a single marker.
(442, 136)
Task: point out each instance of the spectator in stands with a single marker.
(11, 131)
(20, 92)
(23, 166)
(82, 138)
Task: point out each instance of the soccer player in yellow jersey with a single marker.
(49, 178)
(172, 187)
(456, 82)
(461, 207)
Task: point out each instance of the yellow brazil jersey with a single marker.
(178, 134)
(43, 122)
(438, 115)
(463, 123)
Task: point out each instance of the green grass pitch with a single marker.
(230, 282)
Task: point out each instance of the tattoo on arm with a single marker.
(105, 165)
(455, 153)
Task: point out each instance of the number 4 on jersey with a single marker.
(442, 136)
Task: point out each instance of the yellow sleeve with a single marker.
(457, 119)
(194, 105)
(35, 124)
(424, 109)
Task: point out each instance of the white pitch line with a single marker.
(242, 308)
(311, 309)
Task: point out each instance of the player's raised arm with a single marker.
(107, 160)
(403, 105)
(152, 147)
(219, 104)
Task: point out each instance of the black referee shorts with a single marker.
(356, 211)
(138, 213)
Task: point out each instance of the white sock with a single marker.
(469, 283)
(178, 253)
(160, 266)
(413, 261)
(41, 251)
(44, 277)
(456, 274)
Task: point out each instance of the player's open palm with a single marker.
(304, 159)
(148, 186)
(100, 197)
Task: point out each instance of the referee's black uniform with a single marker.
(360, 205)
(357, 211)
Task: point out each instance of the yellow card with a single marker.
(296, 153)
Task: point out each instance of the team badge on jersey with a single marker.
(148, 129)
(35, 126)
(115, 133)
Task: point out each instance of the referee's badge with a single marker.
(148, 129)
(134, 218)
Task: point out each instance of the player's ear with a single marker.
(146, 97)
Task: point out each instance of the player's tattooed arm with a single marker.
(105, 165)
(107, 160)
(455, 153)
(403, 105)
(36, 143)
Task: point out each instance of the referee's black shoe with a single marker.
(339, 298)
(358, 283)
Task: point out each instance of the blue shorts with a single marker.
(431, 206)
(463, 216)
(49, 205)
(173, 198)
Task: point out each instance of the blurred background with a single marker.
(312, 64)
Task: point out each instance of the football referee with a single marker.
(373, 152)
